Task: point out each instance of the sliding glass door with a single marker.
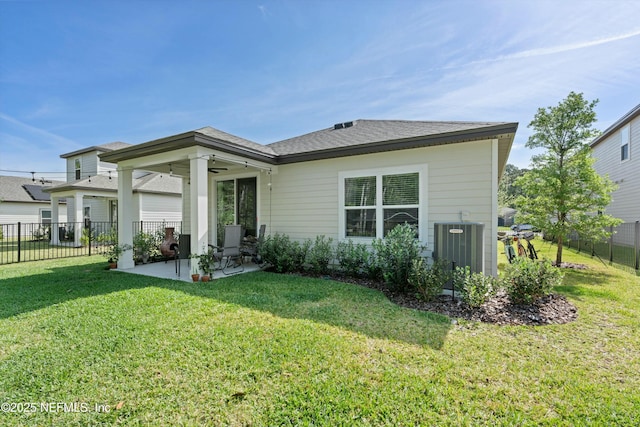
(237, 204)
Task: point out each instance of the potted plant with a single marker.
(143, 244)
(195, 273)
(206, 261)
(114, 253)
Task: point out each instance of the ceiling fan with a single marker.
(216, 170)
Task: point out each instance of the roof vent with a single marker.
(342, 125)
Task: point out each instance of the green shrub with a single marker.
(320, 254)
(428, 280)
(474, 288)
(395, 255)
(352, 257)
(284, 254)
(87, 236)
(526, 280)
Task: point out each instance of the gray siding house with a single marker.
(617, 154)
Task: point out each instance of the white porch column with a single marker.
(199, 203)
(79, 218)
(55, 220)
(125, 216)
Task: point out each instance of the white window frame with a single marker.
(77, 168)
(421, 170)
(625, 139)
(42, 219)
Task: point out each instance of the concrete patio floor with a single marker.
(167, 270)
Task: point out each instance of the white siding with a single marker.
(99, 209)
(24, 212)
(626, 199)
(88, 165)
(304, 201)
(157, 207)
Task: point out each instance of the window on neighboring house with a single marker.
(373, 203)
(625, 136)
(45, 216)
(78, 168)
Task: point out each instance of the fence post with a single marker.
(19, 237)
(636, 243)
(611, 243)
(89, 235)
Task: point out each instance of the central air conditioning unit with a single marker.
(461, 243)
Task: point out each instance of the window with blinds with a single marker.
(375, 204)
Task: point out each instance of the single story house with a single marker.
(353, 180)
(23, 200)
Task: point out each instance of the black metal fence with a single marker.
(23, 242)
(623, 247)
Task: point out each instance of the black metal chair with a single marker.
(176, 256)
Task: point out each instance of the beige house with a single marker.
(354, 180)
(617, 154)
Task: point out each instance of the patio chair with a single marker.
(251, 244)
(229, 256)
(176, 256)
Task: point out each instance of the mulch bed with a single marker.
(547, 310)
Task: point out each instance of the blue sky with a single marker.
(80, 73)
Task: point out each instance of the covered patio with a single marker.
(215, 168)
(167, 270)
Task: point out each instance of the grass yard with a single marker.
(266, 349)
(36, 250)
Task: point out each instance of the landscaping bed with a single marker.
(546, 310)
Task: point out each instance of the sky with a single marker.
(75, 74)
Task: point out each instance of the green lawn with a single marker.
(36, 250)
(267, 349)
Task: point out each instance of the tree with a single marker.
(563, 193)
(508, 191)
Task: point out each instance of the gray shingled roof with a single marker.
(357, 137)
(370, 131)
(150, 183)
(235, 140)
(110, 146)
(12, 189)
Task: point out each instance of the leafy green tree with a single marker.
(508, 191)
(562, 192)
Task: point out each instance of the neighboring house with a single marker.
(23, 200)
(354, 180)
(91, 192)
(617, 154)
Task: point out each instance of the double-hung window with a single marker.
(372, 203)
(625, 136)
(45, 216)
